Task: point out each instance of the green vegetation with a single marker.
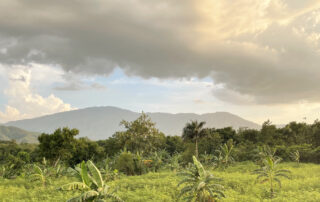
(200, 184)
(270, 173)
(238, 181)
(142, 164)
(90, 181)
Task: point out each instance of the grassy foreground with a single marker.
(238, 180)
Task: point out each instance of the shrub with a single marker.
(125, 163)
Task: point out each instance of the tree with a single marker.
(210, 141)
(86, 150)
(140, 135)
(270, 172)
(193, 131)
(173, 144)
(228, 133)
(59, 145)
(201, 185)
(316, 133)
(268, 134)
(91, 183)
(251, 135)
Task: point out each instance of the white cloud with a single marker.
(23, 100)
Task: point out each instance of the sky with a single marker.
(258, 59)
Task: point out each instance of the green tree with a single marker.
(193, 131)
(140, 135)
(86, 149)
(59, 145)
(268, 134)
(173, 144)
(210, 141)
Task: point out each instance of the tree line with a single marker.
(141, 139)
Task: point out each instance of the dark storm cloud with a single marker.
(165, 39)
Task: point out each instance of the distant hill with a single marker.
(101, 122)
(14, 133)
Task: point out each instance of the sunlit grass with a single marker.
(238, 180)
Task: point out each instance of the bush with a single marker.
(125, 163)
(307, 153)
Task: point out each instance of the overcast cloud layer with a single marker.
(256, 51)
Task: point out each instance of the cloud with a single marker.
(263, 52)
(11, 114)
(23, 102)
(73, 82)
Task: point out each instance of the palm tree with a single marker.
(200, 184)
(270, 172)
(193, 131)
(91, 183)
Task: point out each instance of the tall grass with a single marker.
(238, 180)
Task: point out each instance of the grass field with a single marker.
(238, 180)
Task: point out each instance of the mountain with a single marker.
(14, 133)
(101, 122)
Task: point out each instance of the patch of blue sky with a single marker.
(131, 92)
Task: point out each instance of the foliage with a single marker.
(59, 145)
(296, 156)
(125, 163)
(140, 135)
(224, 158)
(200, 185)
(91, 183)
(238, 182)
(271, 173)
(193, 131)
(108, 172)
(173, 163)
(39, 174)
(206, 158)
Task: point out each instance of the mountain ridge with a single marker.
(8, 133)
(101, 122)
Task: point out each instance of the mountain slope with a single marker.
(14, 133)
(101, 122)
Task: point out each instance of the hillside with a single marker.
(101, 122)
(14, 133)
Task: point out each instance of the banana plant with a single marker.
(207, 158)
(295, 156)
(174, 162)
(265, 152)
(91, 183)
(200, 185)
(270, 172)
(224, 156)
(107, 172)
(41, 175)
